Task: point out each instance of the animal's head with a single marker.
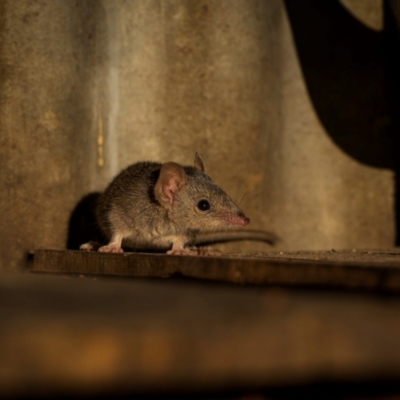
(193, 200)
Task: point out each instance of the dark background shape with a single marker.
(351, 78)
(82, 225)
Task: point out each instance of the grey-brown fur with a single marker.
(132, 208)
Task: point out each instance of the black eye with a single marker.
(203, 205)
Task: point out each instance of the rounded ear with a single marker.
(172, 178)
(198, 162)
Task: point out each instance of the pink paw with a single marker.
(111, 249)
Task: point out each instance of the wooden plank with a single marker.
(365, 270)
(90, 336)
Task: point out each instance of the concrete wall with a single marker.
(90, 86)
(47, 57)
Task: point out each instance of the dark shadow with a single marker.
(343, 64)
(82, 226)
(377, 388)
(348, 73)
(392, 52)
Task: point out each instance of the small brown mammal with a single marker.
(156, 205)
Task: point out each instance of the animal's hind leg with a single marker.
(114, 246)
(90, 246)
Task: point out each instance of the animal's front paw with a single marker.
(111, 249)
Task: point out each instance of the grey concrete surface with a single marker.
(88, 87)
(47, 56)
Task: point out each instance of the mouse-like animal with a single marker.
(154, 205)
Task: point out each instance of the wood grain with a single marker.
(81, 336)
(363, 270)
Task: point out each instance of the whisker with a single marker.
(249, 196)
(239, 183)
(240, 203)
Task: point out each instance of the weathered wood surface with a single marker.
(71, 335)
(370, 270)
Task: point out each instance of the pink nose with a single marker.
(235, 219)
(243, 221)
(246, 221)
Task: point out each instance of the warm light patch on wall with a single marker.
(100, 144)
(368, 12)
(254, 180)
